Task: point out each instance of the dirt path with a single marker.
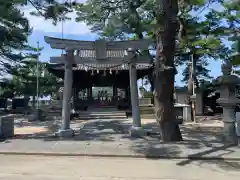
(76, 168)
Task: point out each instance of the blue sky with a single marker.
(79, 31)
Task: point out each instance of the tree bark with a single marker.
(164, 70)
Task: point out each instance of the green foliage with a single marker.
(144, 93)
(228, 20)
(200, 32)
(203, 37)
(24, 80)
(201, 27)
(14, 30)
(231, 18)
(236, 55)
(50, 9)
(148, 94)
(6, 89)
(116, 20)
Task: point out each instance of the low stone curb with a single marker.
(190, 157)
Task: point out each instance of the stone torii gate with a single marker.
(99, 52)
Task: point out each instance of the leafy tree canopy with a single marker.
(14, 30)
(55, 10)
(24, 80)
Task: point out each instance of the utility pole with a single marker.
(193, 77)
(38, 50)
(38, 112)
(193, 74)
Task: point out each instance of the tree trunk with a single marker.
(165, 71)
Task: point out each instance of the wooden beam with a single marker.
(90, 60)
(58, 43)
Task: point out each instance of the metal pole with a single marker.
(193, 88)
(193, 74)
(62, 30)
(38, 75)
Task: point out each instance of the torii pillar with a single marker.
(136, 129)
(65, 130)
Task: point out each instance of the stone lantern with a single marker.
(227, 85)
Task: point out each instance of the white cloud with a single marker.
(69, 27)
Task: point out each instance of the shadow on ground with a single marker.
(199, 142)
(199, 138)
(233, 165)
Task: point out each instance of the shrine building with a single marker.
(100, 73)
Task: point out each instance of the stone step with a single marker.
(84, 114)
(87, 116)
(107, 115)
(98, 113)
(101, 114)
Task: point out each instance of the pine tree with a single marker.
(14, 30)
(24, 80)
(50, 9)
(231, 17)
